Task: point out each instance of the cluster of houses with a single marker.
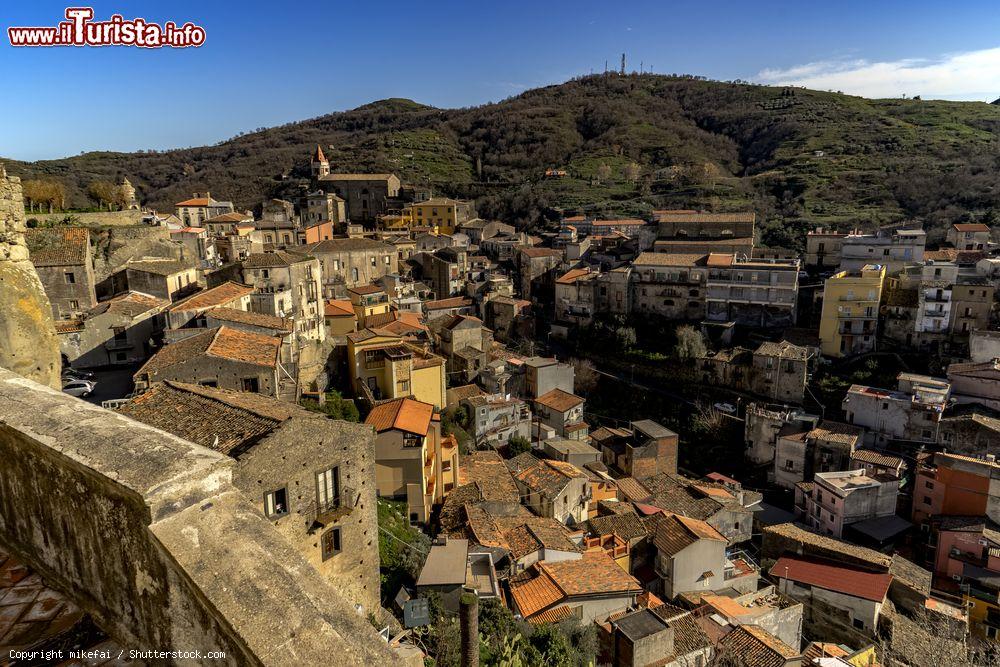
(425, 316)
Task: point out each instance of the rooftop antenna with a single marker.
(623, 65)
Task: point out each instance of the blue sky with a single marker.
(265, 63)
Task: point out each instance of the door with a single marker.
(327, 488)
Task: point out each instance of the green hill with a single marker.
(628, 144)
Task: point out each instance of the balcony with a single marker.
(334, 509)
(116, 344)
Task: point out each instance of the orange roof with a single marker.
(700, 528)
(721, 259)
(559, 400)
(402, 414)
(971, 227)
(727, 606)
(198, 201)
(553, 615)
(535, 595)
(212, 298)
(338, 308)
(572, 276)
(318, 155)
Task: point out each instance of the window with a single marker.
(404, 385)
(858, 623)
(265, 273)
(929, 484)
(276, 503)
(331, 543)
(250, 384)
(327, 487)
(927, 500)
(69, 277)
(120, 335)
(74, 304)
(121, 356)
(354, 274)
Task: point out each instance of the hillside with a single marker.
(798, 157)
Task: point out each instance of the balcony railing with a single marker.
(336, 508)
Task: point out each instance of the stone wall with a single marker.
(114, 246)
(93, 219)
(147, 533)
(28, 344)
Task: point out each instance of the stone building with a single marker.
(167, 279)
(163, 550)
(911, 412)
(671, 285)
(195, 211)
(969, 236)
(553, 489)
(752, 292)
(190, 312)
(464, 343)
(835, 500)
(313, 478)
(223, 357)
(801, 454)
(823, 249)
(563, 412)
(575, 297)
(890, 248)
(780, 372)
(643, 450)
(535, 269)
(703, 233)
(350, 263)
(366, 196)
(493, 420)
(64, 262)
(319, 207)
(288, 285)
(122, 330)
(443, 270)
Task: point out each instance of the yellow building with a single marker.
(984, 611)
(383, 366)
(412, 459)
(397, 221)
(368, 300)
(339, 317)
(849, 321)
(441, 212)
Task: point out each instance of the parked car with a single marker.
(727, 408)
(79, 388)
(74, 374)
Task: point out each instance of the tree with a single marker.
(603, 172)
(690, 343)
(102, 193)
(585, 375)
(34, 192)
(335, 407)
(518, 444)
(632, 171)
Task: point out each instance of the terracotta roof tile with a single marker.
(338, 308)
(753, 646)
(220, 295)
(66, 246)
(404, 414)
(131, 304)
(697, 216)
(674, 533)
(559, 400)
(453, 302)
(254, 319)
(535, 595)
(833, 577)
(571, 276)
(685, 259)
(595, 573)
(554, 615)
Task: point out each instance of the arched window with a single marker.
(354, 274)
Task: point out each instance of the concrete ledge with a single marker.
(146, 532)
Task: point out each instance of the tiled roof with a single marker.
(160, 267)
(571, 276)
(559, 400)
(626, 525)
(675, 532)
(338, 308)
(535, 253)
(876, 458)
(670, 259)
(752, 646)
(783, 350)
(453, 302)
(553, 615)
(215, 418)
(688, 216)
(66, 246)
(720, 259)
(490, 472)
(270, 260)
(823, 544)
(404, 414)
(970, 227)
(989, 370)
(357, 177)
(543, 475)
(229, 217)
(366, 289)
(345, 245)
(833, 577)
(823, 650)
(130, 304)
(220, 295)
(222, 342)
(632, 489)
(847, 434)
(69, 326)
(595, 573)
(195, 201)
(537, 594)
(617, 223)
(465, 391)
(253, 319)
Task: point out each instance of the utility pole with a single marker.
(623, 65)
